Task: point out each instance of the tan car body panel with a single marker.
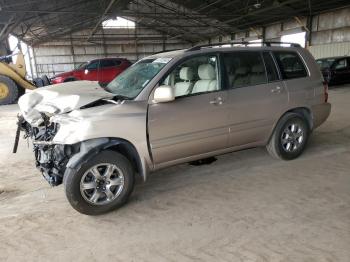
(176, 132)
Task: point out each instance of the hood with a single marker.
(69, 73)
(59, 99)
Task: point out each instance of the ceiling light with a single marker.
(257, 5)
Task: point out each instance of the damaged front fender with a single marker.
(90, 148)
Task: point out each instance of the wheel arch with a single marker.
(90, 148)
(305, 112)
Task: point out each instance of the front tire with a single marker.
(101, 184)
(289, 138)
(9, 92)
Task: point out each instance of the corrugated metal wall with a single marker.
(329, 50)
(67, 53)
(330, 37)
(272, 32)
(330, 33)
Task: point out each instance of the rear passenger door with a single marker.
(256, 96)
(296, 78)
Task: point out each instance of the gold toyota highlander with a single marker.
(170, 108)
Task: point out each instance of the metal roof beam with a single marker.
(111, 3)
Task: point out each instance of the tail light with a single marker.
(325, 86)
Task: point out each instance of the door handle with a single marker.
(276, 90)
(216, 101)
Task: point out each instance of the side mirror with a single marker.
(163, 94)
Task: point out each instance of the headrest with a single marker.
(242, 70)
(206, 72)
(186, 73)
(258, 69)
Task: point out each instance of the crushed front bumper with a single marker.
(50, 159)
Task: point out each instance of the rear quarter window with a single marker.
(290, 65)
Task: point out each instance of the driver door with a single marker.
(196, 122)
(91, 71)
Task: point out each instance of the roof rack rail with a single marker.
(245, 43)
(165, 51)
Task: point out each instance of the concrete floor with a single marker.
(244, 207)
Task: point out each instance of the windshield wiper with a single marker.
(121, 97)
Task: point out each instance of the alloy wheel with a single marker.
(292, 137)
(101, 184)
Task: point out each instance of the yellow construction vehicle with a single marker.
(12, 79)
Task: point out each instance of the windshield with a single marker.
(81, 66)
(131, 82)
(325, 63)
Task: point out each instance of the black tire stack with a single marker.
(13, 91)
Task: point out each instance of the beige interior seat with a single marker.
(241, 77)
(258, 75)
(185, 87)
(230, 74)
(207, 82)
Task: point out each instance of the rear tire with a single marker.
(45, 80)
(289, 138)
(9, 92)
(91, 191)
(38, 82)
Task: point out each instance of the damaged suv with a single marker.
(170, 108)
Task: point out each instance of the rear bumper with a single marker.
(320, 113)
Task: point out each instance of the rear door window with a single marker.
(290, 64)
(271, 70)
(109, 63)
(340, 64)
(244, 69)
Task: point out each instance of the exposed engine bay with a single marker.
(36, 121)
(51, 159)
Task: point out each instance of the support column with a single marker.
(35, 63)
(104, 43)
(308, 36)
(263, 35)
(72, 50)
(163, 42)
(136, 43)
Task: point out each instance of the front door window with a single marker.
(194, 76)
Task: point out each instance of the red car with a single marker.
(101, 70)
